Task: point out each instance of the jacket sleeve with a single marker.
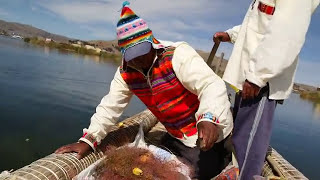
(282, 42)
(233, 33)
(198, 78)
(107, 112)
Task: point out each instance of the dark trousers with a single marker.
(206, 164)
(252, 132)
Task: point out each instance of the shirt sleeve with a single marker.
(108, 111)
(198, 78)
(233, 33)
(282, 42)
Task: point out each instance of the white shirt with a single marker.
(267, 46)
(193, 73)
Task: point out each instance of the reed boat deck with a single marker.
(66, 166)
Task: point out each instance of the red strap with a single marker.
(266, 9)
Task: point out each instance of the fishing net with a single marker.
(137, 160)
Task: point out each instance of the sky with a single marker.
(193, 21)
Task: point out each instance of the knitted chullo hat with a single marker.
(133, 33)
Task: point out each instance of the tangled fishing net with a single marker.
(137, 160)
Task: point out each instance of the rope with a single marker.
(48, 170)
(59, 166)
(36, 171)
(61, 162)
(28, 173)
(14, 177)
(69, 157)
(72, 166)
(85, 161)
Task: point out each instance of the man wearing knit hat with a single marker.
(177, 86)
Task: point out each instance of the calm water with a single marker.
(48, 97)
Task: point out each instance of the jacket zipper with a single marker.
(147, 77)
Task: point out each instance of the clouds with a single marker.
(82, 12)
(193, 21)
(175, 20)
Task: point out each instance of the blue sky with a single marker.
(193, 21)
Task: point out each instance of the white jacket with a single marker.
(267, 46)
(193, 73)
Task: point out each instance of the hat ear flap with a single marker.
(155, 41)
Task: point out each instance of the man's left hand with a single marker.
(208, 134)
(249, 90)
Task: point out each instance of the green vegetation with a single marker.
(3, 32)
(71, 48)
(37, 41)
(110, 56)
(311, 96)
(26, 40)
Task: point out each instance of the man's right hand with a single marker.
(221, 36)
(81, 148)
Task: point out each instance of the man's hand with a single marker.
(207, 135)
(221, 36)
(81, 148)
(250, 90)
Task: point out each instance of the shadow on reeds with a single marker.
(119, 137)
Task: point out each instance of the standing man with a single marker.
(176, 85)
(262, 66)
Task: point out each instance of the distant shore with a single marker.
(80, 49)
(307, 92)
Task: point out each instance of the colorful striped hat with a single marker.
(134, 35)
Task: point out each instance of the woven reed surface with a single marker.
(66, 166)
(282, 167)
(267, 171)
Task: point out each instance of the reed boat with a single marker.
(67, 166)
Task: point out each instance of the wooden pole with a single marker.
(213, 53)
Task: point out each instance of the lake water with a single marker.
(47, 98)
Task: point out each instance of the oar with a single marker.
(213, 52)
